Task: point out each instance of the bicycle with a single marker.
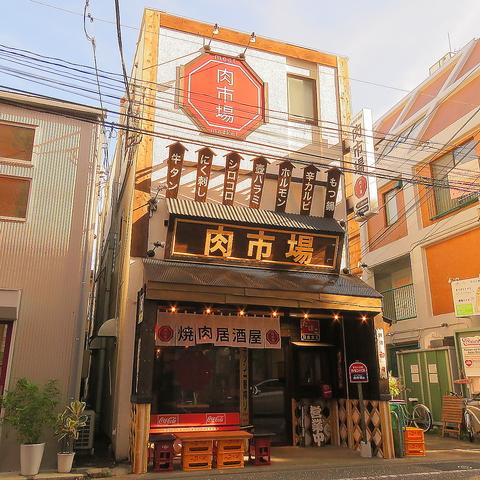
(420, 415)
(471, 415)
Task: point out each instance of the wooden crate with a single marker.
(199, 461)
(197, 446)
(230, 460)
(452, 415)
(231, 445)
(414, 449)
(412, 434)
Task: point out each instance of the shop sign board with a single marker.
(241, 244)
(471, 355)
(358, 373)
(309, 330)
(382, 355)
(187, 329)
(466, 297)
(223, 95)
(333, 182)
(308, 188)
(365, 199)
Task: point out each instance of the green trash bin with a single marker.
(398, 425)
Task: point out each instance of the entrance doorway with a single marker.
(268, 393)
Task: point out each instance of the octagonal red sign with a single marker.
(223, 95)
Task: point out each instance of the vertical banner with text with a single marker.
(205, 159)
(308, 186)
(283, 185)
(258, 179)
(176, 152)
(231, 177)
(333, 180)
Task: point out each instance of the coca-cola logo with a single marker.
(167, 420)
(215, 419)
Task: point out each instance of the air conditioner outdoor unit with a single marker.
(86, 433)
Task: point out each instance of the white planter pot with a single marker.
(31, 458)
(65, 462)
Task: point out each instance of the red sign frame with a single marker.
(223, 95)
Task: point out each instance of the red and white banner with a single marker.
(187, 329)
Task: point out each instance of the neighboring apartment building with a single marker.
(48, 196)
(424, 236)
(223, 207)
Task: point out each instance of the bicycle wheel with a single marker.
(469, 425)
(421, 417)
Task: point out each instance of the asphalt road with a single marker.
(419, 471)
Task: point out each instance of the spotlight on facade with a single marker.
(274, 314)
(305, 315)
(208, 311)
(173, 308)
(364, 318)
(336, 317)
(215, 30)
(241, 313)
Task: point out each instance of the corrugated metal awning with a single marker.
(230, 284)
(251, 216)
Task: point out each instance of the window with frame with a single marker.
(14, 193)
(16, 142)
(390, 205)
(302, 99)
(455, 167)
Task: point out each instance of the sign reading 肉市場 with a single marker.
(223, 95)
(247, 244)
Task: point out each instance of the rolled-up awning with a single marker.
(177, 281)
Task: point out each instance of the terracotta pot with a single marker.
(65, 462)
(31, 458)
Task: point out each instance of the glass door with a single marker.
(269, 412)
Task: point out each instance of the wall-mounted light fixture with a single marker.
(151, 252)
(252, 39)
(215, 31)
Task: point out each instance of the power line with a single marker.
(117, 98)
(397, 138)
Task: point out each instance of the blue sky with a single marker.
(390, 44)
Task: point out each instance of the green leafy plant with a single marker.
(395, 385)
(29, 408)
(69, 423)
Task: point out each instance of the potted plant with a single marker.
(28, 409)
(69, 422)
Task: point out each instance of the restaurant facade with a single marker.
(222, 301)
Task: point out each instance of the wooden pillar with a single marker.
(350, 425)
(142, 380)
(387, 432)
(334, 423)
(139, 438)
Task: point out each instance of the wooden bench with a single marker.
(452, 415)
(225, 449)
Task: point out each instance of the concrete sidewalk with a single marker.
(286, 459)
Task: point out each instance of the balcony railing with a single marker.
(399, 303)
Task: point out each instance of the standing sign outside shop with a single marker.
(358, 373)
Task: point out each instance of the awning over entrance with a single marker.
(195, 282)
(250, 216)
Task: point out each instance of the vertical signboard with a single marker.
(333, 180)
(205, 159)
(382, 355)
(365, 200)
(231, 176)
(283, 185)
(176, 152)
(308, 186)
(258, 179)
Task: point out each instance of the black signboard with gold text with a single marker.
(223, 243)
